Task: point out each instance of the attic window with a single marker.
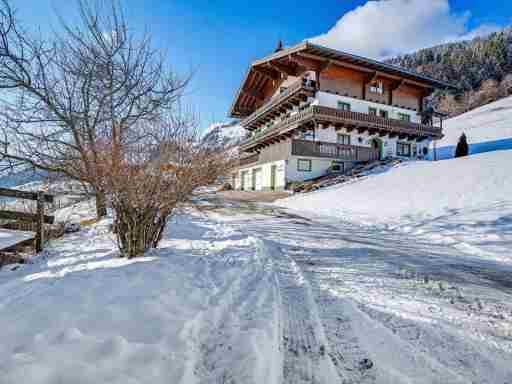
(377, 87)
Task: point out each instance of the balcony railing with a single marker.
(327, 115)
(333, 151)
(249, 160)
(300, 86)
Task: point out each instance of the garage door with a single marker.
(246, 180)
(258, 179)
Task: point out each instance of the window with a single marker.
(344, 139)
(404, 117)
(282, 89)
(343, 106)
(304, 165)
(308, 135)
(403, 149)
(383, 113)
(372, 111)
(377, 87)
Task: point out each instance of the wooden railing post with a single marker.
(40, 222)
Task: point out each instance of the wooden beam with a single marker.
(269, 73)
(365, 70)
(282, 68)
(24, 194)
(372, 77)
(254, 94)
(395, 86)
(23, 216)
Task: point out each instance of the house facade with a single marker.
(309, 110)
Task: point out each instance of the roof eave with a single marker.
(427, 80)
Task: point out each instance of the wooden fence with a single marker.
(39, 218)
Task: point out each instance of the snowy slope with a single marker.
(228, 135)
(487, 128)
(465, 201)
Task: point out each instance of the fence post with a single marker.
(40, 222)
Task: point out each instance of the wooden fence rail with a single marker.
(39, 217)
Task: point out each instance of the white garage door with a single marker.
(258, 179)
(246, 180)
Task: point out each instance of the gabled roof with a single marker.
(329, 54)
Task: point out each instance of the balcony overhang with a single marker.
(293, 95)
(310, 117)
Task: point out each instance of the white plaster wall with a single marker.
(319, 168)
(266, 170)
(331, 100)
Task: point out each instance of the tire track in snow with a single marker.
(306, 356)
(342, 344)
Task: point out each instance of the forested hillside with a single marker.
(482, 68)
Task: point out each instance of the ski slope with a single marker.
(488, 128)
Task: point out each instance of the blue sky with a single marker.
(219, 39)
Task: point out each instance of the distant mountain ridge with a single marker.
(227, 135)
(481, 68)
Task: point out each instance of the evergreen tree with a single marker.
(462, 146)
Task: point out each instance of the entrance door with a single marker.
(273, 177)
(378, 145)
(257, 178)
(246, 180)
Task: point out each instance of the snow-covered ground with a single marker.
(399, 277)
(488, 128)
(466, 203)
(202, 309)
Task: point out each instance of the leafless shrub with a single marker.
(147, 181)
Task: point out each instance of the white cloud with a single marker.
(386, 28)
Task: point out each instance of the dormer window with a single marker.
(377, 87)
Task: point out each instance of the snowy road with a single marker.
(372, 306)
(244, 293)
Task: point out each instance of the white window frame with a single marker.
(345, 139)
(304, 169)
(400, 146)
(377, 87)
(404, 117)
(344, 106)
(386, 112)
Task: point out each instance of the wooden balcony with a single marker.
(327, 150)
(245, 161)
(298, 91)
(350, 120)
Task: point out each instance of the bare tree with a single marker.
(92, 85)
